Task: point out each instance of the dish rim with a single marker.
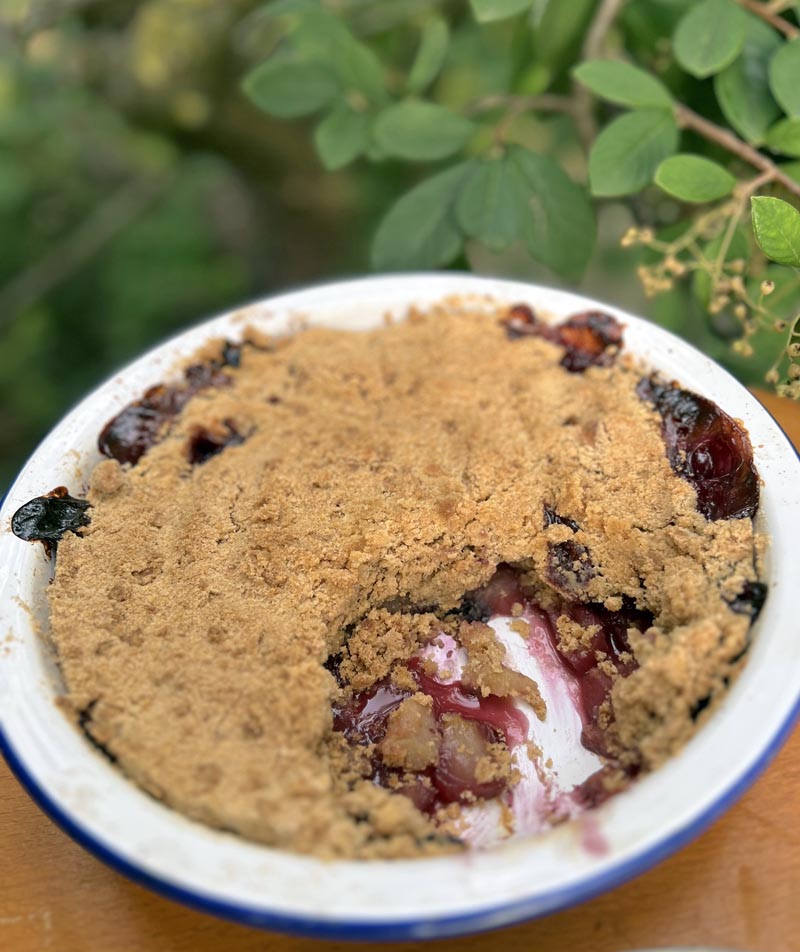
(483, 919)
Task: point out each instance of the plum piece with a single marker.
(133, 431)
(201, 376)
(205, 443)
(497, 597)
(611, 640)
(591, 338)
(750, 600)
(569, 565)
(435, 752)
(465, 743)
(412, 738)
(553, 518)
(420, 792)
(601, 785)
(333, 665)
(497, 713)
(708, 449)
(136, 428)
(363, 719)
(46, 518)
(521, 321)
(611, 637)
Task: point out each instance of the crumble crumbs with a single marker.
(383, 472)
(486, 672)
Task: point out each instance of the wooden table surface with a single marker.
(736, 887)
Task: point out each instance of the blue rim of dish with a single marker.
(433, 927)
(484, 920)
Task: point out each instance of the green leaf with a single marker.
(488, 207)
(421, 131)
(341, 136)
(487, 10)
(777, 229)
(420, 229)
(623, 84)
(742, 89)
(784, 77)
(692, 178)
(628, 151)
(784, 137)
(557, 219)
(359, 69)
(284, 8)
(288, 88)
(430, 56)
(559, 29)
(317, 34)
(646, 23)
(738, 247)
(709, 37)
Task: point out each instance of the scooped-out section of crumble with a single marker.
(390, 593)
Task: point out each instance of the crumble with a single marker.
(311, 515)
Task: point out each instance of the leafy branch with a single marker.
(498, 187)
(770, 13)
(688, 119)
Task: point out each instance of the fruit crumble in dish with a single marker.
(391, 593)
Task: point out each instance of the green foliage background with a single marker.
(141, 190)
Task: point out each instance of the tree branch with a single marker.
(688, 119)
(770, 16)
(604, 15)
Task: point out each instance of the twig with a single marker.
(688, 119)
(594, 40)
(769, 14)
(778, 6)
(604, 16)
(727, 237)
(742, 195)
(71, 253)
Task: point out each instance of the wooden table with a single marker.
(736, 887)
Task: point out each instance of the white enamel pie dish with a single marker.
(225, 875)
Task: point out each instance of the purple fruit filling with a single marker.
(708, 449)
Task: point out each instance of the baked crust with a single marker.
(378, 473)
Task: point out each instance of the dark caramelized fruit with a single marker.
(133, 431)
(708, 449)
(589, 339)
(46, 518)
(750, 600)
(569, 566)
(497, 597)
(205, 442)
